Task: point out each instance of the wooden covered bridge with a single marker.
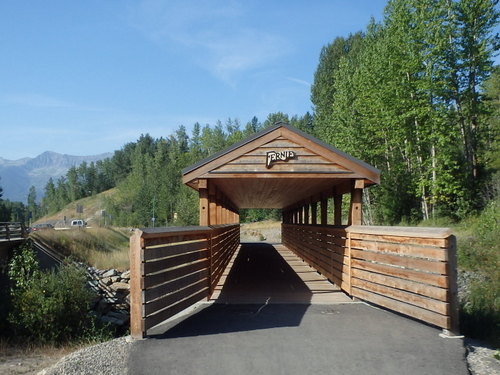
(408, 270)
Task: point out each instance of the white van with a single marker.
(78, 223)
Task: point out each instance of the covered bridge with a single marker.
(408, 270)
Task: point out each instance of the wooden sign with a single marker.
(273, 156)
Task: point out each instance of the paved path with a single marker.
(298, 339)
(267, 335)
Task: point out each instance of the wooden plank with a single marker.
(440, 294)
(423, 277)
(434, 242)
(137, 327)
(163, 315)
(337, 209)
(416, 232)
(401, 261)
(175, 273)
(435, 253)
(172, 286)
(172, 298)
(281, 166)
(150, 254)
(403, 296)
(454, 325)
(356, 211)
(261, 159)
(175, 261)
(412, 311)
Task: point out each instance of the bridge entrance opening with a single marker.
(409, 270)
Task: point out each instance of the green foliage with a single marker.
(404, 96)
(479, 253)
(51, 306)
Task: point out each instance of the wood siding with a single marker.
(173, 269)
(408, 270)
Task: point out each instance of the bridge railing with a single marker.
(12, 230)
(408, 270)
(173, 268)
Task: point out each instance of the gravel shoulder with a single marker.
(107, 358)
(111, 358)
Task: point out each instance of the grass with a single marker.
(99, 247)
(92, 207)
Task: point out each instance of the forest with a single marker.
(415, 94)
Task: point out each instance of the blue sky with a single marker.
(86, 77)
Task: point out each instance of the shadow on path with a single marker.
(260, 275)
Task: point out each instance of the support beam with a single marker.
(219, 206)
(204, 213)
(337, 209)
(306, 213)
(314, 213)
(324, 210)
(212, 203)
(356, 211)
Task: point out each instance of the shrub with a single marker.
(51, 306)
(478, 251)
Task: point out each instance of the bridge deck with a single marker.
(260, 273)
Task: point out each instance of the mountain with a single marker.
(16, 176)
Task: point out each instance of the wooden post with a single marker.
(203, 192)
(324, 210)
(356, 214)
(219, 206)
(451, 266)
(212, 203)
(314, 213)
(306, 213)
(337, 209)
(301, 214)
(137, 323)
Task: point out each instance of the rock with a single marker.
(126, 275)
(120, 286)
(115, 279)
(110, 273)
(107, 280)
(110, 319)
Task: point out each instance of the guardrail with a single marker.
(12, 231)
(173, 268)
(408, 270)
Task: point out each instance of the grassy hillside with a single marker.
(99, 247)
(92, 211)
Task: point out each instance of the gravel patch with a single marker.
(107, 358)
(480, 358)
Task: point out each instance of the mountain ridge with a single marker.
(17, 176)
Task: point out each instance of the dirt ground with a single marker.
(263, 231)
(29, 361)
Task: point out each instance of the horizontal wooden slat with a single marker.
(423, 277)
(401, 261)
(172, 286)
(415, 232)
(403, 249)
(174, 261)
(166, 251)
(408, 285)
(175, 273)
(403, 296)
(172, 298)
(412, 311)
(437, 242)
(163, 315)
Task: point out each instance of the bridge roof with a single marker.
(279, 166)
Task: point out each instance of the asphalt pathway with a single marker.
(291, 339)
